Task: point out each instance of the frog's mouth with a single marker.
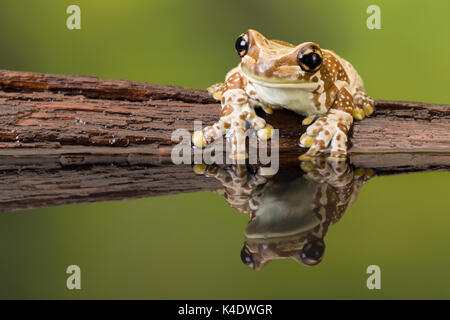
(277, 83)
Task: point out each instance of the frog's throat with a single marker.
(273, 84)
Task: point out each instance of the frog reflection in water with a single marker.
(290, 212)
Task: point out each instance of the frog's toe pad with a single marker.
(265, 133)
(216, 90)
(198, 139)
(199, 168)
(305, 157)
(307, 166)
(368, 109)
(363, 172)
(358, 114)
(307, 121)
(306, 141)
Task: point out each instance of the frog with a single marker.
(289, 212)
(316, 83)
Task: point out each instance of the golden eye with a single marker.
(242, 45)
(310, 58)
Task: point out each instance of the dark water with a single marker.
(310, 231)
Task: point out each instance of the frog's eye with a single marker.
(310, 58)
(247, 257)
(242, 45)
(312, 252)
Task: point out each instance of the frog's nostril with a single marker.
(247, 257)
(312, 252)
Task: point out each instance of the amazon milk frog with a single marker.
(306, 79)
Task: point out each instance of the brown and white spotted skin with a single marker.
(289, 213)
(306, 79)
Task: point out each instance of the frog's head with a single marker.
(274, 61)
(257, 254)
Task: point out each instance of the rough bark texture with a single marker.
(71, 139)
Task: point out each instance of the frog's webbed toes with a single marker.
(364, 106)
(317, 137)
(320, 170)
(328, 133)
(216, 90)
(338, 150)
(238, 135)
(307, 139)
(361, 113)
(237, 140)
(204, 137)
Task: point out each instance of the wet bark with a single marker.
(73, 139)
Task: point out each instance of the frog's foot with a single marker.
(236, 113)
(364, 106)
(336, 173)
(240, 187)
(328, 133)
(204, 137)
(235, 177)
(237, 133)
(216, 90)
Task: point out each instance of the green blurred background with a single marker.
(187, 246)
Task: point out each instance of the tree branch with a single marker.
(71, 139)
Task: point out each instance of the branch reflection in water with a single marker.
(291, 211)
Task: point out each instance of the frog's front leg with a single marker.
(329, 132)
(236, 112)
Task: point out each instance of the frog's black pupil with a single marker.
(312, 60)
(241, 46)
(313, 251)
